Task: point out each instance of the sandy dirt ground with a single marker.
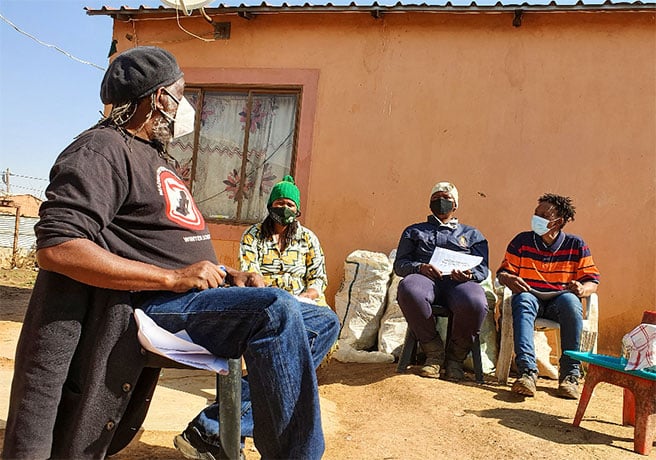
(371, 412)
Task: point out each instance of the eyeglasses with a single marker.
(168, 93)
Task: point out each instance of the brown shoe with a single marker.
(431, 371)
(569, 388)
(434, 358)
(525, 385)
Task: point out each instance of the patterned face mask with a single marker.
(283, 215)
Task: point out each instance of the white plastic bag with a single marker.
(639, 348)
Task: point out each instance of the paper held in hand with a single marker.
(446, 260)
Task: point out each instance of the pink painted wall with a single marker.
(566, 103)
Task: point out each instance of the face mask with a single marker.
(540, 225)
(284, 215)
(441, 206)
(185, 115)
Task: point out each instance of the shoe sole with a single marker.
(567, 395)
(189, 451)
(454, 378)
(522, 390)
(429, 375)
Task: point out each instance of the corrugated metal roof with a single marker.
(397, 6)
(26, 236)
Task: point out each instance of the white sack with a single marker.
(543, 356)
(347, 354)
(393, 325)
(360, 301)
(488, 335)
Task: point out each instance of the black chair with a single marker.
(228, 389)
(409, 352)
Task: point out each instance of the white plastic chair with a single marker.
(506, 346)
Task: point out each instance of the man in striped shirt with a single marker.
(548, 271)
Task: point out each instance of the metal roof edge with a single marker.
(447, 7)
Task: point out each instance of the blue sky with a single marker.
(46, 97)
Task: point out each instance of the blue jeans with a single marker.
(267, 327)
(322, 332)
(566, 309)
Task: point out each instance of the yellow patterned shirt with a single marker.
(299, 267)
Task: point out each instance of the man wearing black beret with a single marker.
(120, 229)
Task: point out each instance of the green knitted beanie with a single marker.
(286, 189)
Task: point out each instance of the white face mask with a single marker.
(185, 116)
(540, 225)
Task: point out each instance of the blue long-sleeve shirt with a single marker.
(418, 242)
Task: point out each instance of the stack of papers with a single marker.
(178, 347)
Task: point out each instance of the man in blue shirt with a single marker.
(424, 284)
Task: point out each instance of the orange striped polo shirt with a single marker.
(549, 268)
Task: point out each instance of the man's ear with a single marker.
(160, 94)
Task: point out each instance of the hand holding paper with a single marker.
(446, 260)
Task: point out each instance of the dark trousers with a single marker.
(466, 301)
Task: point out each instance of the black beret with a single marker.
(138, 72)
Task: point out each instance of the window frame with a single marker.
(251, 91)
(225, 235)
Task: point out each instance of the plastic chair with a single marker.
(506, 346)
(228, 388)
(408, 354)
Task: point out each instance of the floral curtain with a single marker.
(221, 187)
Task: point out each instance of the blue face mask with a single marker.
(540, 225)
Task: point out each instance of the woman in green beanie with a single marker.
(288, 256)
(284, 252)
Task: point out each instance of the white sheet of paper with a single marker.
(177, 347)
(446, 260)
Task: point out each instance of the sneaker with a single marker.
(191, 445)
(569, 387)
(525, 385)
